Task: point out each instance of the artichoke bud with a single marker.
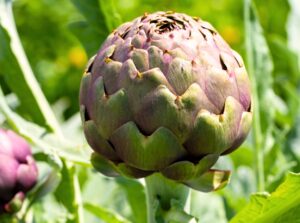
(165, 93)
(18, 171)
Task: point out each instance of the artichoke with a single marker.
(165, 93)
(18, 171)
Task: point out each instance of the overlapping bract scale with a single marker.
(165, 93)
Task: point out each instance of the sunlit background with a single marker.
(58, 43)
(58, 58)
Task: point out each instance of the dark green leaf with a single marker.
(112, 17)
(86, 35)
(101, 18)
(90, 9)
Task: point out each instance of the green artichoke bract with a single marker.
(165, 93)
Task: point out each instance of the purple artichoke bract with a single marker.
(18, 170)
(165, 93)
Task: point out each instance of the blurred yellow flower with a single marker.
(231, 34)
(77, 57)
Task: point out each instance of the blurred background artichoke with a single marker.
(18, 171)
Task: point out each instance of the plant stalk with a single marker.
(8, 22)
(77, 198)
(257, 131)
(165, 198)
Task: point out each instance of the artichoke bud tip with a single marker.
(107, 60)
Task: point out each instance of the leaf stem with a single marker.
(77, 198)
(8, 22)
(257, 131)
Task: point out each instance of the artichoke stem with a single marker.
(162, 196)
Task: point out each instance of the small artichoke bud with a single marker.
(18, 171)
(165, 93)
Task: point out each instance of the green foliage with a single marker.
(280, 206)
(100, 19)
(59, 37)
(18, 74)
(135, 195)
(104, 214)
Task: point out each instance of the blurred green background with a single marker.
(60, 36)
(58, 59)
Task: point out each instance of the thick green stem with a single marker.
(162, 196)
(257, 132)
(77, 199)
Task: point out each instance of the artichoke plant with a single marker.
(18, 171)
(165, 93)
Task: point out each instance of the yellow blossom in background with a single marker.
(231, 34)
(77, 57)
